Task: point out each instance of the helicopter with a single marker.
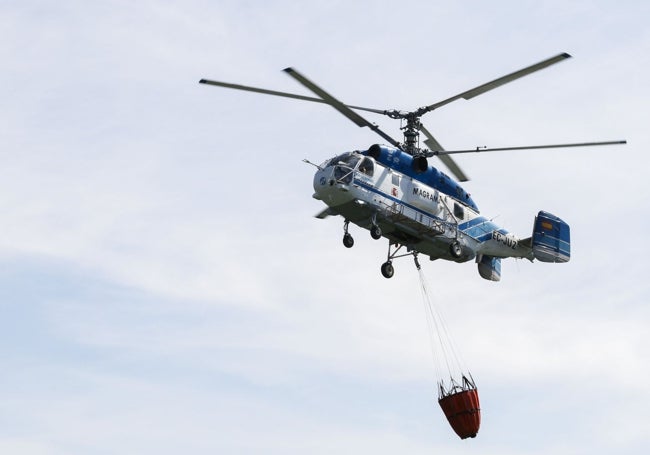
(392, 190)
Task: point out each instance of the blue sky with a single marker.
(164, 287)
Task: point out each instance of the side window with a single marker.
(367, 167)
(458, 211)
(395, 179)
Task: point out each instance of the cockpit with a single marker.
(347, 163)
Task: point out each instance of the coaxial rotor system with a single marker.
(411, 119)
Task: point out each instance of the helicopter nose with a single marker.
(321, 181)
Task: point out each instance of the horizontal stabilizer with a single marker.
(551, 238)
(325, 213)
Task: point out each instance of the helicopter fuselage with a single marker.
(426, 212)
(395, 193)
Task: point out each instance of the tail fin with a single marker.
(551, 238)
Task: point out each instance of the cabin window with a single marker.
(458, 211)
(367, 167)
(395, 179)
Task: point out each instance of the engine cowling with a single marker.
(420, 164)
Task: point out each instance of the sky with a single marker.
(165, 287)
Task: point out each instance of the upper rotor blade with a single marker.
(469, 94)
(448, 161)
(339, 106)
(527, 147)
(283, 94)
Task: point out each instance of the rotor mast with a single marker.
(412, 134)
(410, 129)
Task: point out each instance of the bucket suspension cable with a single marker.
(458, 398)
(442, 343)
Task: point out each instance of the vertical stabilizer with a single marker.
(551, 238)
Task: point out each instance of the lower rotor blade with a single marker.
(529, 147)
(339, 106)
(448, 161)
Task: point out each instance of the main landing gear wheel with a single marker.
(387, 269)
(455, 249)
(375, 232)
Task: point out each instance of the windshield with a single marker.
(348, 159)
(344, 166)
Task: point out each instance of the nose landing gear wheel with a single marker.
(387, 269)
(375, 232)
(348, 241)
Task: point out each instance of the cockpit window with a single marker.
(344, 166)
(346, 159)
(367, 167)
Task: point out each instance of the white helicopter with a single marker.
(394, 193)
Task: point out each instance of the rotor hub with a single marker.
(411, 133)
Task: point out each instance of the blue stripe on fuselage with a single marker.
(479, 228)
(392, 198)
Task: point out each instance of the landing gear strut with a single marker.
(387, 269)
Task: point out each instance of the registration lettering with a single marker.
(507, 240)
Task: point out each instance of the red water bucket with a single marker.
(463, 412)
